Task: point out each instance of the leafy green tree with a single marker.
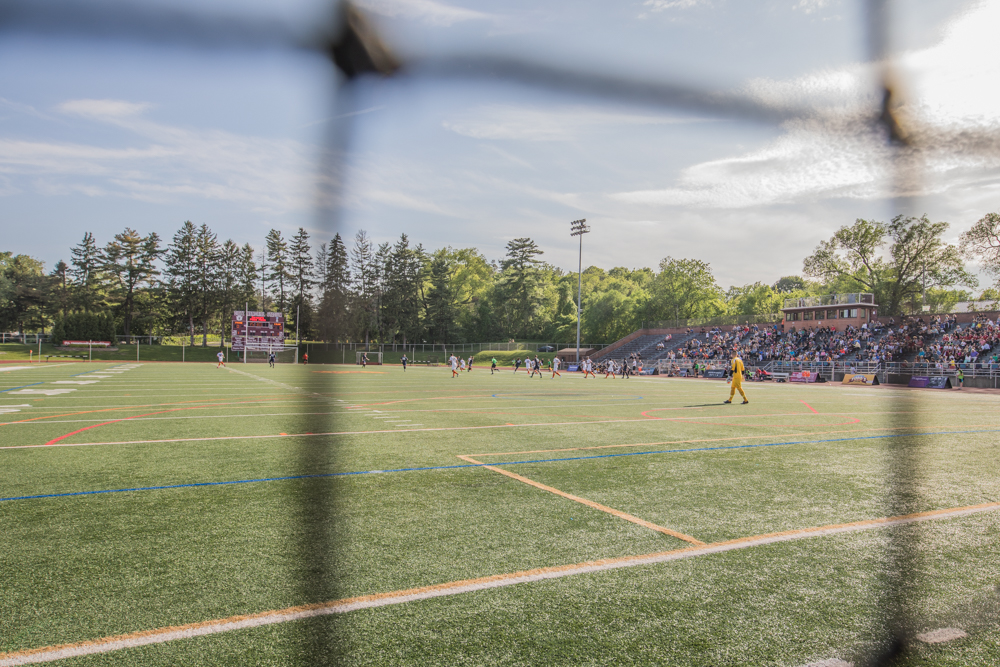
(788, 284)
(130, 261)
(916, 259)
(751, 302)
(23, 292)
(982, 243)
(684, 289)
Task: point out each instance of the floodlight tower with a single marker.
(579, 228)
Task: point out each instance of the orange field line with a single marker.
(214, 626)
(589, 503)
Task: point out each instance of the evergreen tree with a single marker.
(88, 281)
(130, 261)
(228, 285)
(364, 276)
(206, 257)
(333, 312)
(440, 303)
(182, 275)
(247, 271)
(278, 269)
(520, 285)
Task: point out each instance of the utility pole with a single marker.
(579, 228)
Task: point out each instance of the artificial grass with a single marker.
(82, 567)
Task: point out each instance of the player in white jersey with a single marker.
(462, 364)
(611, 369)
(454, 365)
(555, 368)
(588, 368)
(222, 359)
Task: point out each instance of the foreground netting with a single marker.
(352, 45)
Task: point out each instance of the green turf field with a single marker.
(486, 519)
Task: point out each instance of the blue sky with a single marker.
(98, 136)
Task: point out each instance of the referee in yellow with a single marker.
(737, 371)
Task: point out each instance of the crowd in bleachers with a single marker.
(972, 344)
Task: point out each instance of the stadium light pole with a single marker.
(579, 228)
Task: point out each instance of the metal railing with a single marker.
(830, 300)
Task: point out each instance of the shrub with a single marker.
(84, 326)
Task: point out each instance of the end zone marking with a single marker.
(216, 626)
(589, 503)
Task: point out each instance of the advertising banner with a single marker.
(718, 374)
(861, 378)
(931, 382)
(802, 376)
(573, 368)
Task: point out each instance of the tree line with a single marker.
(402, 293)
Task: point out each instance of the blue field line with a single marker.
(480, 465)
(21, 387)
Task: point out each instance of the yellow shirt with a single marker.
(737, 368)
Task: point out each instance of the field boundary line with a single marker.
(241, 622)
(589, 503)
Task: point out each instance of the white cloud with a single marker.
(664, 5)
(811, 6)
(103, 108)
(953, 113)
(161, 163)
(537, 124)
(425, 11)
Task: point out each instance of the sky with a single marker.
(97, 135)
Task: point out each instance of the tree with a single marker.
(206, 257)
(917, 259)
(788, 284)
(684, 289)
(23, 290)
(335, 288)
(59, 297)
(227, 277)
(247, 293)
(982, 243)
(277, 256)
(751, 302)
(301, 271)
(440, 303)
(88, 281)
(130, 260)
(364, 275)
(402, 286)
(520, 285)
(182, 274)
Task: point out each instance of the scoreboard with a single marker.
(255, 330)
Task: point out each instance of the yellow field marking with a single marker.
(588, 503)
(171, 633)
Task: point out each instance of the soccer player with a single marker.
(462, 364)
(454, 365)
(471, 357)
(588, 368)
(517, 364)
(403, 359)
(737, 371)
(270, 359)
(364, 360)
(610, 370)
(538, 366)
(305, 358)
(222, 360)
(555, 367)
(494, 366)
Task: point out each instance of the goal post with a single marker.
(374, 358)
(288, 355)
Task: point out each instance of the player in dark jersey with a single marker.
(403, 359)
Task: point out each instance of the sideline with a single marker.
(211, 627)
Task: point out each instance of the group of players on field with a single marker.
(610, 368)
